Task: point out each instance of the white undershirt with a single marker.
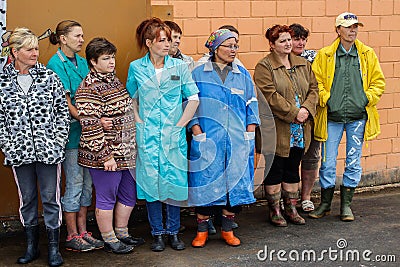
(25, 82)
(158, 75)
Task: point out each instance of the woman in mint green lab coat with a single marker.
(158, 83)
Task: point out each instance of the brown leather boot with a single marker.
(200, 240)
(290, 201)
(230, 238)
(275, 215)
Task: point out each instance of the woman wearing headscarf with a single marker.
(222, 149)
(158, 83)
(288, 85)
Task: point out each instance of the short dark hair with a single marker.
(97, 47)
(173, 26)
(229, 27)
(299, 31)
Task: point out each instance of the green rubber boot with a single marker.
(324, 207)
(346, 196)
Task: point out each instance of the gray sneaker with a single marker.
(77, 243)
(87, 236)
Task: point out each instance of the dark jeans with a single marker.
(48, 177)
(155, 214)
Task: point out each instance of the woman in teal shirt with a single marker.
(72, 69)
(158, 83)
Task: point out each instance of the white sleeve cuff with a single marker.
(194, 97)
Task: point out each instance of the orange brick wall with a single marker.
(382, 31)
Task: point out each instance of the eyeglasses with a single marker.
(350, 16)
(231, 47)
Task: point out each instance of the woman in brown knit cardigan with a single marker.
(108, 152)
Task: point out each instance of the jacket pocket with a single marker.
(203, 155)
(177, 137)
(139, 134)
(321, 124)
(372, 126)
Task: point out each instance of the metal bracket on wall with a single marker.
(164, 12)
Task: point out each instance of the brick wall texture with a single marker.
(381, 18)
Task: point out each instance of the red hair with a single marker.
(150, 29)
(272, 34)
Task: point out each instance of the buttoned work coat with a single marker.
(161, 163)
(222, 157)
(71, 77)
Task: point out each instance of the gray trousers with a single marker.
(28, 178)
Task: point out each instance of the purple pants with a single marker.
(112, 187)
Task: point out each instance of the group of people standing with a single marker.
(131, 141)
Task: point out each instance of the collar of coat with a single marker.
(64, 58)
(168, 61)
(37, 69)
(331, 49)
(294, 60)
(208, 66)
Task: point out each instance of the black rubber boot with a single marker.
(32, 249)
(54, 256)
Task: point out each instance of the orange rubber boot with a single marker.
(200, 240)
(230, 238)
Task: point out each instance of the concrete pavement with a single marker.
(373, 239)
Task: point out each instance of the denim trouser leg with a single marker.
(354, 141)
(173, 221)
(154, 212)
(329, 152)
(78, 183)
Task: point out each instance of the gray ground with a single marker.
(375, 233)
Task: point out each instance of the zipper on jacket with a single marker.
(29, 113)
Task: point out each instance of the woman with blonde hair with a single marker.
(34, 124)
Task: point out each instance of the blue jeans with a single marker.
(155, 214)
(354, 142)
(78, 183)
